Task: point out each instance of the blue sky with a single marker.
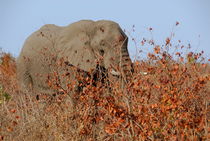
(19, 18)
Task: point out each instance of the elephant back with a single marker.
(36, 56)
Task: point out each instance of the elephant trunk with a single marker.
(125, 61)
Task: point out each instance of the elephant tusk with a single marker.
(113, 72)
(143, 73)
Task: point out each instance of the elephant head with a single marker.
(97, 43)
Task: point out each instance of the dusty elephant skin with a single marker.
(85, 45)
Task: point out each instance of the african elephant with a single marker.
(84, 44)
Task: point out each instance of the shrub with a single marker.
(167, 98)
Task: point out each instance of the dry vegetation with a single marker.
(170, 102)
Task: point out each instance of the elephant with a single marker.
(86, 45)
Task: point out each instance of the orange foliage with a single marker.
(169, 102)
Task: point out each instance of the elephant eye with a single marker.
(101, 51)
(102, 43)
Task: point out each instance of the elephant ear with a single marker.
(78, 52)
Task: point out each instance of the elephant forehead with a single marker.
(106, 22)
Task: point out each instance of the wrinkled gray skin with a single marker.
(81, 44)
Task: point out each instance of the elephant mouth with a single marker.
(115, 73)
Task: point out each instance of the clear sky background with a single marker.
(19, 18)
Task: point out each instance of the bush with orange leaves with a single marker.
(168, 101)
(7, 76)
